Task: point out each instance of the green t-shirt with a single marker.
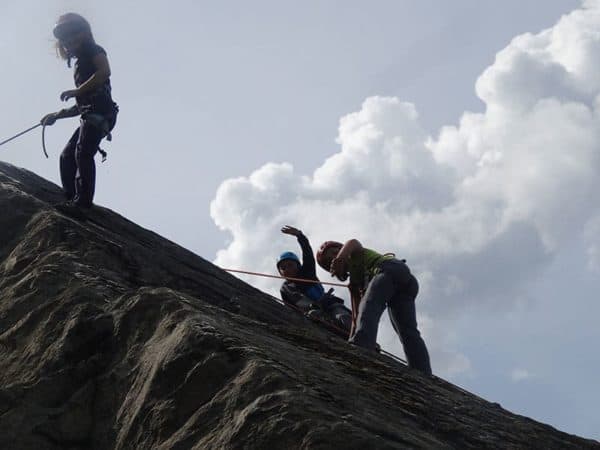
(363, 266)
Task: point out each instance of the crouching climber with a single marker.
(309, 297)
(378, 281)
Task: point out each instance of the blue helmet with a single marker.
(288, 255)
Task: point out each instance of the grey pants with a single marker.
(337, 312)
(342, 316)
(396, 288)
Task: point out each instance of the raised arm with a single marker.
(308, 258)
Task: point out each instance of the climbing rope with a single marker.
(44, 141)
(266, 275)
(102, 152)
(20, 134)
(27, 131)
(331, 325)
(317, 319)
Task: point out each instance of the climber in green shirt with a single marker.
(378, 281)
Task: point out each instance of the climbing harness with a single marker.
(99, 121)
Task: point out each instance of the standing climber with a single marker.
(74, 40)
(378, 281)
(307, 296)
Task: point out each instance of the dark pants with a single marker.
(396, 288)
(77, 166)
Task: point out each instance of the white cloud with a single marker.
(518, 374)
(592, 239)
(478, 211)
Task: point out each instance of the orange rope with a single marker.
(284, 278)
(339, 330)
(318, 319)
(382, 351)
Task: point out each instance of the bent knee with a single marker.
(410, 334)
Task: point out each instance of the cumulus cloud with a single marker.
(478, 210)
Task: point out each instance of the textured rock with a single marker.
(113, 337)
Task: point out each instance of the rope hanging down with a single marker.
(44, 141)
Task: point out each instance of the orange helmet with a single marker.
(69, 24)
(321, 252)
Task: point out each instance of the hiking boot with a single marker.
(71, 209)
(316, 315)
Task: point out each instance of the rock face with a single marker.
(112, 337)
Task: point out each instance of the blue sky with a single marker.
(467, 150)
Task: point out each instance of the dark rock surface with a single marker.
(113, 337)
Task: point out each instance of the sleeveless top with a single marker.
(100, 100)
